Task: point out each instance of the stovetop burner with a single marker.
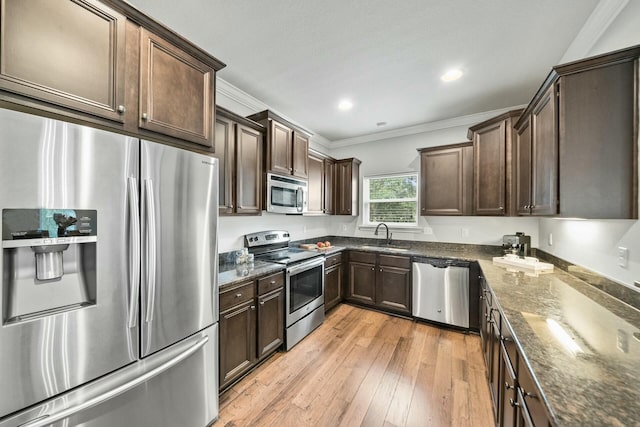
(273, 246)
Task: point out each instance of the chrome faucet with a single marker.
(389, 235)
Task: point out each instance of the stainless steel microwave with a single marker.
(286, 194)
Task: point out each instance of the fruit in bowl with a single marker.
(320, 245)
(327, 244)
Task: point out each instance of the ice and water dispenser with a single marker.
(49, 261)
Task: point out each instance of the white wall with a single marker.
(623, 32)
(231, 229)
(400, 155)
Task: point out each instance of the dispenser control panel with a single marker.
(30, 227)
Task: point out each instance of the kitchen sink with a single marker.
(384, 248)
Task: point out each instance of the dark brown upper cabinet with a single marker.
(287, 145)
(584, 136)
(239, 146)
(329, 185)
(536, 158)
(347, 186)
(493, 181)
(446, 180)
(68, 53)
(316, 187)
(107, 64)
(176, 91)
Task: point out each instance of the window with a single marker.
(392, 199)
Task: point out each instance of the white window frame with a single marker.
(366, 202)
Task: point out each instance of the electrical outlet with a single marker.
(428, 231)
(464, 232)
(550, 240)
(623, 257)
(344, 227)
(304, 228)
(622, 341)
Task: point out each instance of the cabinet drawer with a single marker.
(333, 260)
(365, 257)
(531, 396)
(237, 295)
(269, 283)
(395, 261)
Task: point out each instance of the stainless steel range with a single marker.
(304, 288)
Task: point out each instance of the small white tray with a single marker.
(525, 264)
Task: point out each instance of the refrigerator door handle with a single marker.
(134, 250)
(151, 249)
(49, 419)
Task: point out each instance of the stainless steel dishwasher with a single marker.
(441, 291)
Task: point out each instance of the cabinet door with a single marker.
(446, 181)
(485, 329)
(509, 395)
(316, 185)
(249, 175)
(329, 186)
(494, 378)
(70, 53)
(347, 188)
(300, 155)
(237, 342)
(393, 289)
(270, 322)
(332, 286)
(489, 185)
(545, 155)
(362, 283)
(280, 151)
(523, 169)
(176, 91)
(225, 153)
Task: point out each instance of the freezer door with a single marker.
(179, 221)
(174, 387)
(60, 331)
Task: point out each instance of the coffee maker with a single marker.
(516, 244)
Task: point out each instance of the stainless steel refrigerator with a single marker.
(109, 279)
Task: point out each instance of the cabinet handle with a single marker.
(525, 207)
(531, 395)
(238, 295)
(372, 268)
(261, 302)
(380, 269)
(121, 109)
(253, 307)
(513, 403)
(491, 321)
(507, 386)
(501, 208)
(504, 339)
(532, 206)
(145, 116)
(481, 297)
(273, 282)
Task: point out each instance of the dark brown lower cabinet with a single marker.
(516, 398)
(380, 281)
(270, 322)
(332, 281)
(251, 325)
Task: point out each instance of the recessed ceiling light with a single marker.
(345, 105)
(451, 75)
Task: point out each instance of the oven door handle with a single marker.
(307, 265)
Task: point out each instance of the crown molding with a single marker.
(253, 104)
(600, 19)
(467, 120)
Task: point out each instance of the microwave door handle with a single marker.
(299, 199)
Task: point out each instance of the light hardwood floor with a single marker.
(363, 368)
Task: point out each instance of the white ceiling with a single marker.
(301, 57)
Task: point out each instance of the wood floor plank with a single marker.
(364, 368)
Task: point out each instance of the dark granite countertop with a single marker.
(596, 384)
(230, 274)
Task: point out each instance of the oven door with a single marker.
(304, 289)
